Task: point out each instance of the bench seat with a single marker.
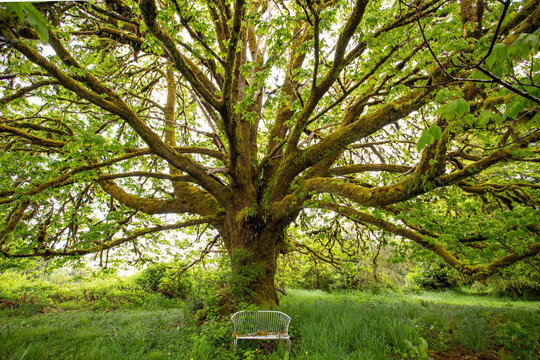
(261, 325)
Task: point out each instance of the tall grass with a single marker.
(346, 325)
(121, 334)
(358, 325)
(344, 330)
(464, 299)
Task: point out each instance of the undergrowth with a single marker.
(115, 318)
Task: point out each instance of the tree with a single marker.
(419, 119)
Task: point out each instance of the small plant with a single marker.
(217, 332)
(516, 342)
(418, 350)
(202, 348)
(472, 331)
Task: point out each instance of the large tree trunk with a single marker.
(253, 248)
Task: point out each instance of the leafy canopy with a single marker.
(227, 120)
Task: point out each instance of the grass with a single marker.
(464, 299)
(122, 334)
(341, 331)
(358, 325)
(346, 325)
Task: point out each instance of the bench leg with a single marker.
(289, 341)
(234, 342)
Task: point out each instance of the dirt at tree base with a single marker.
(462, 354)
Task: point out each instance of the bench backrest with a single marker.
(251, 322)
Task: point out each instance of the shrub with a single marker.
(212, 291)
(97, 292)
(526, 288)
(318, 278)
(435, 276)
(164, 279)
(150, 278)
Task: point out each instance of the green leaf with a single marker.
(33, 16)
(429, 135)
(446, 95)
(535, 121)
(423, 347)
(469, 119)
(17, 8)
(498, 61)
(486, 117)
(37, 21)
(524, 44)
(498, 54)
(436, 132)
(457, 108)
(478, 75)
(514, 108)
(424, 140)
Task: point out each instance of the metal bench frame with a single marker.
(261, 325)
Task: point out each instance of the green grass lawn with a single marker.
(121, 334)
(360, 325)
(351, 325)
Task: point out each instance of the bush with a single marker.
(318, 278)
(100, 291)
(211, 294)
(164, 279)
(435, 276)
(18, 287)
(526, 288)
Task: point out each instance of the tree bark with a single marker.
(253, 248)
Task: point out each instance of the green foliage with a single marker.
(516, 341)
(201, 349)
(420, 350)
(244, 276)
(59, 141)
(27, 11)
(473, 330)
(24, 292)
(343, 255)
(165, 279)
(316, 277)
(446, 95)
(488, 116)
(524, 45)
(517, 287)
(435, 276)
(429, 135)
(342, 325)
(455, 109)
(203, 296)
(498, 61)
(95, 335)
(389, 325)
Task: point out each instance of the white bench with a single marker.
(261, 325)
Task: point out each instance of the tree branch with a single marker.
(322, 87)
(194, 201)
(478, 272)
(357, 168)
(111, 244)
(25, 90)
(191, 72)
